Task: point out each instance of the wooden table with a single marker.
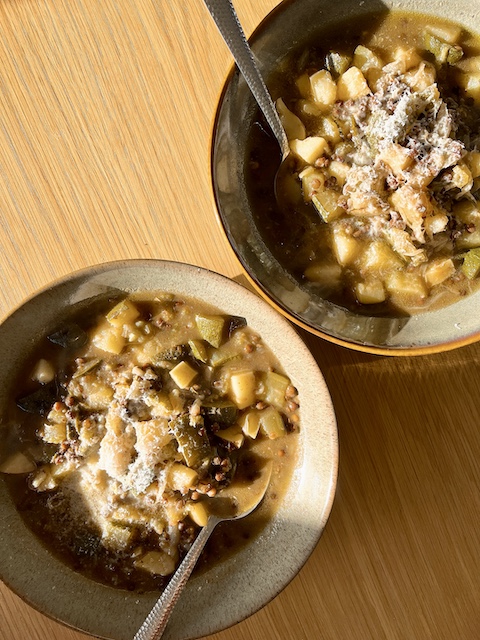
(105, 124)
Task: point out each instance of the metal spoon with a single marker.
(228, 24)
(287, 188)
(232, 503)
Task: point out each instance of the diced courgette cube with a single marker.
(211, 328)
(250, 423)
(271, 423)
(274, 388)
(192, 439)
(125, 312)
(326, 202)
(233, 434)
(471, 264)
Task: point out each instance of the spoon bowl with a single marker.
(233, 503)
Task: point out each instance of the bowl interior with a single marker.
(242, 584)
(292, 24)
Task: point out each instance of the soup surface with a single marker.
(378, 208)
(129, 424)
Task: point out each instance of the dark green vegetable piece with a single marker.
(235, 322)
(337, 63)
(41, 400)
(223, 412)
(178, 352)
(192, 439)
(70, 336)
(444, 52)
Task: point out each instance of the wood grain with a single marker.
(105, 125)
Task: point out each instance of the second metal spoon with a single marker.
(228, 24)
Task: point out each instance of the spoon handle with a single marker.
(157, 619)
(228, 24)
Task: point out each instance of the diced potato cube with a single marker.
(352, 85)
(472, 160)
(471, 64)
(328, 274)
(379, 259)
(435, 224)
(242, 388)
(233, 434)
(198, 512)
(470, 83)
(370, 291)
(181, 478)
(397, 157)
(157, 562)
(324, 88)
(109, 338)
(271, 423)
(462, 176)
(98, 395)
(43, 371)
(408, 57)
(310, 148)
(18, 462)
(339, 171)
(250, 423)
(183, 374)
(439, 270)
(294, 127)
(448, 32)
(407, 286)
(312, 180)
(345, 247)
(365, 59)
(125, 312)
(420, 78)
(54, 433)
(115, 536)
(304, 86)
(326, 202)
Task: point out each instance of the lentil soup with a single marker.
(128, 423)
(379, 212)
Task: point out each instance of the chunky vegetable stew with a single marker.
(131, 425)
(380, 209)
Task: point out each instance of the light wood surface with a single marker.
(106, 111)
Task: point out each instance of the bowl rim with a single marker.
(144, 602)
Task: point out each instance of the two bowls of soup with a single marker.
(345, 255)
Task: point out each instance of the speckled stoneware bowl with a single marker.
(292, 23)
(242, 584)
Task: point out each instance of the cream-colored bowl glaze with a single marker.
(241, 585)
(290, 24)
